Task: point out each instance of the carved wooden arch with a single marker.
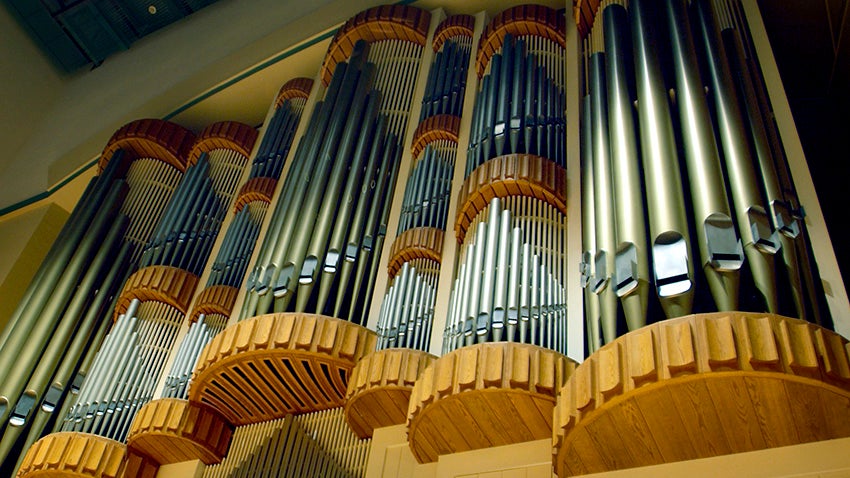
(231, 135)
(416, 243)
(521, 20)
(435, 128)
(452, 27)
(165, 284)
(255, 189)
(151, 138)
(294, 88)
(386, 22)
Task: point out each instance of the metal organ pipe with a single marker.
(757, 232)
(631, 263)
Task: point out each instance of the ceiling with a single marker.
(76, 33)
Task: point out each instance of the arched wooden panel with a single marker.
(294, 88)
(74, 455)
(387, 22)
(700, 386)
(165, 284)
(276, 364)
(255, 189)
(453, 27)
(521, 20)
(230, 135)
(511, 175)
(485, 395)
(435, 128)
(216, 299)
(379, 390)
(151, 138)
(419, 242)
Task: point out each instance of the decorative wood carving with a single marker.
(453, 27)
(266, 367)
(216, 299)
(255, 189)
(434, 128)
(522, 20)
(510, 175)
(700, 386)
(294, 88)
(230, 135)
(74, 455)
(378, 393)
(151, 138)
(165, 284)
(171, 430)
(419, 242)
(485, 395)
(387, 22)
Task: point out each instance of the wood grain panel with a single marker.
(151, 138)
(454, 26)
(435, 128)
(522, 20)
(378, 393)
(165, 284)
(386, 22)
(584, 12)
(266, 367)
(702, 386)
(231, 135)
(216, 299)
(510, 175)
(172, 430)
(255, 189)
(72, 455)
(294, 88)
(416, 243)
(485, 395)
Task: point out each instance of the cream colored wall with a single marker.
(25, 240)
(390, 457)
(185, 469)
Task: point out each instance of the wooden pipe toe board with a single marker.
(272, 365)
(378, 393)
(172, 430)
(74, 455)
(701, 386)
(484, 395)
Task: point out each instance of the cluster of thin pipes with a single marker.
(732, 179)
(274, 147)
(238, 245)
(407, 310)
(444, 91)
(330, 221)
(519, 107)
(510, 282)
(152, 182)
(177, 380)
(313, 444)
(427, 193)
(125, 371)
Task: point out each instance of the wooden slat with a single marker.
(231, 135)
(702, 386)
(294, 88)
(73, 455)
(455, 26)
(165, 284)
(465, 397)
(415, 243)
(151, 138)
(217, 299)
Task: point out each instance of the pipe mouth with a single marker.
(670, 258)
(725, 252)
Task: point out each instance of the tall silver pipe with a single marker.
(668, 226)
(720, 248)
(588, 230)
(631, 271)
(603, 195)
(757, 233)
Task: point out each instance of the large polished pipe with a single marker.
(720, 248)
(668, 226)
(603, 195)
(757, 234)
(588, 230)
(631, 264)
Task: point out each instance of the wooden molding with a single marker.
(165, 284)
(700, 386)
(386, 22)
(171, 430)
(74, 455)
(419, 242)
(522, 20)
(435, 128)
(273, 365)
(231, 135)
(584, 12)
(453, 27)
(294, 88)
(216, 299)
(151, 138)
(485, 395)
(510, 175)
(378, 393)
(255, 189)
